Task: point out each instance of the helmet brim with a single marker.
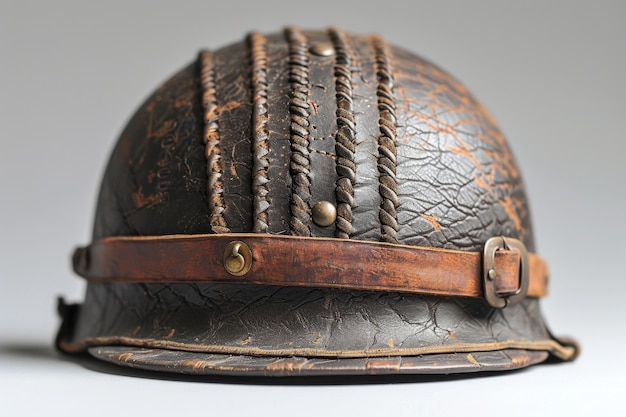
(196, 363)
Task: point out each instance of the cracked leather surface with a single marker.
(202, 364)
(278, 318)
(458, 185)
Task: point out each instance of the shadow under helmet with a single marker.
(312, 203)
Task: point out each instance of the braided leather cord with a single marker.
(386, 144)
(299, 111)
(258, 57)
(212, 142)
(345, 139)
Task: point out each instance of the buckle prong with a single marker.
(493, 297)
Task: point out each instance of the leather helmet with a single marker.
(312, 203)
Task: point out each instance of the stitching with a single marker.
(552, 346)
(299, 111)
(212, 142)
(260, 148)
(345, 139)
(388, 185)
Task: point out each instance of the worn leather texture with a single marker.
(193, 363)
(307, 262)
(456, 185)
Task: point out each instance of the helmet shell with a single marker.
(249, 138)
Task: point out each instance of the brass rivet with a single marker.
(324, 213)
(237, 258)
(323, 49)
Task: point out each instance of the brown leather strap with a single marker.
(300, 261)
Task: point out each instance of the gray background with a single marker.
(552, 73)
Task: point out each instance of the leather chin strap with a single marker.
(245, 258)
(503, 274)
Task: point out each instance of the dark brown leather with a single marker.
(308, 262)
(451, 182)
(250, 321)
(194, 363)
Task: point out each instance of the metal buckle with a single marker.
(494, 298)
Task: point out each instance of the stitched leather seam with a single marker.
(299, 111)
(212, 144)
(258, 57)
(388, 185)
(345, 139)
(552, 346)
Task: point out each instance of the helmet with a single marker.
(312, 203)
